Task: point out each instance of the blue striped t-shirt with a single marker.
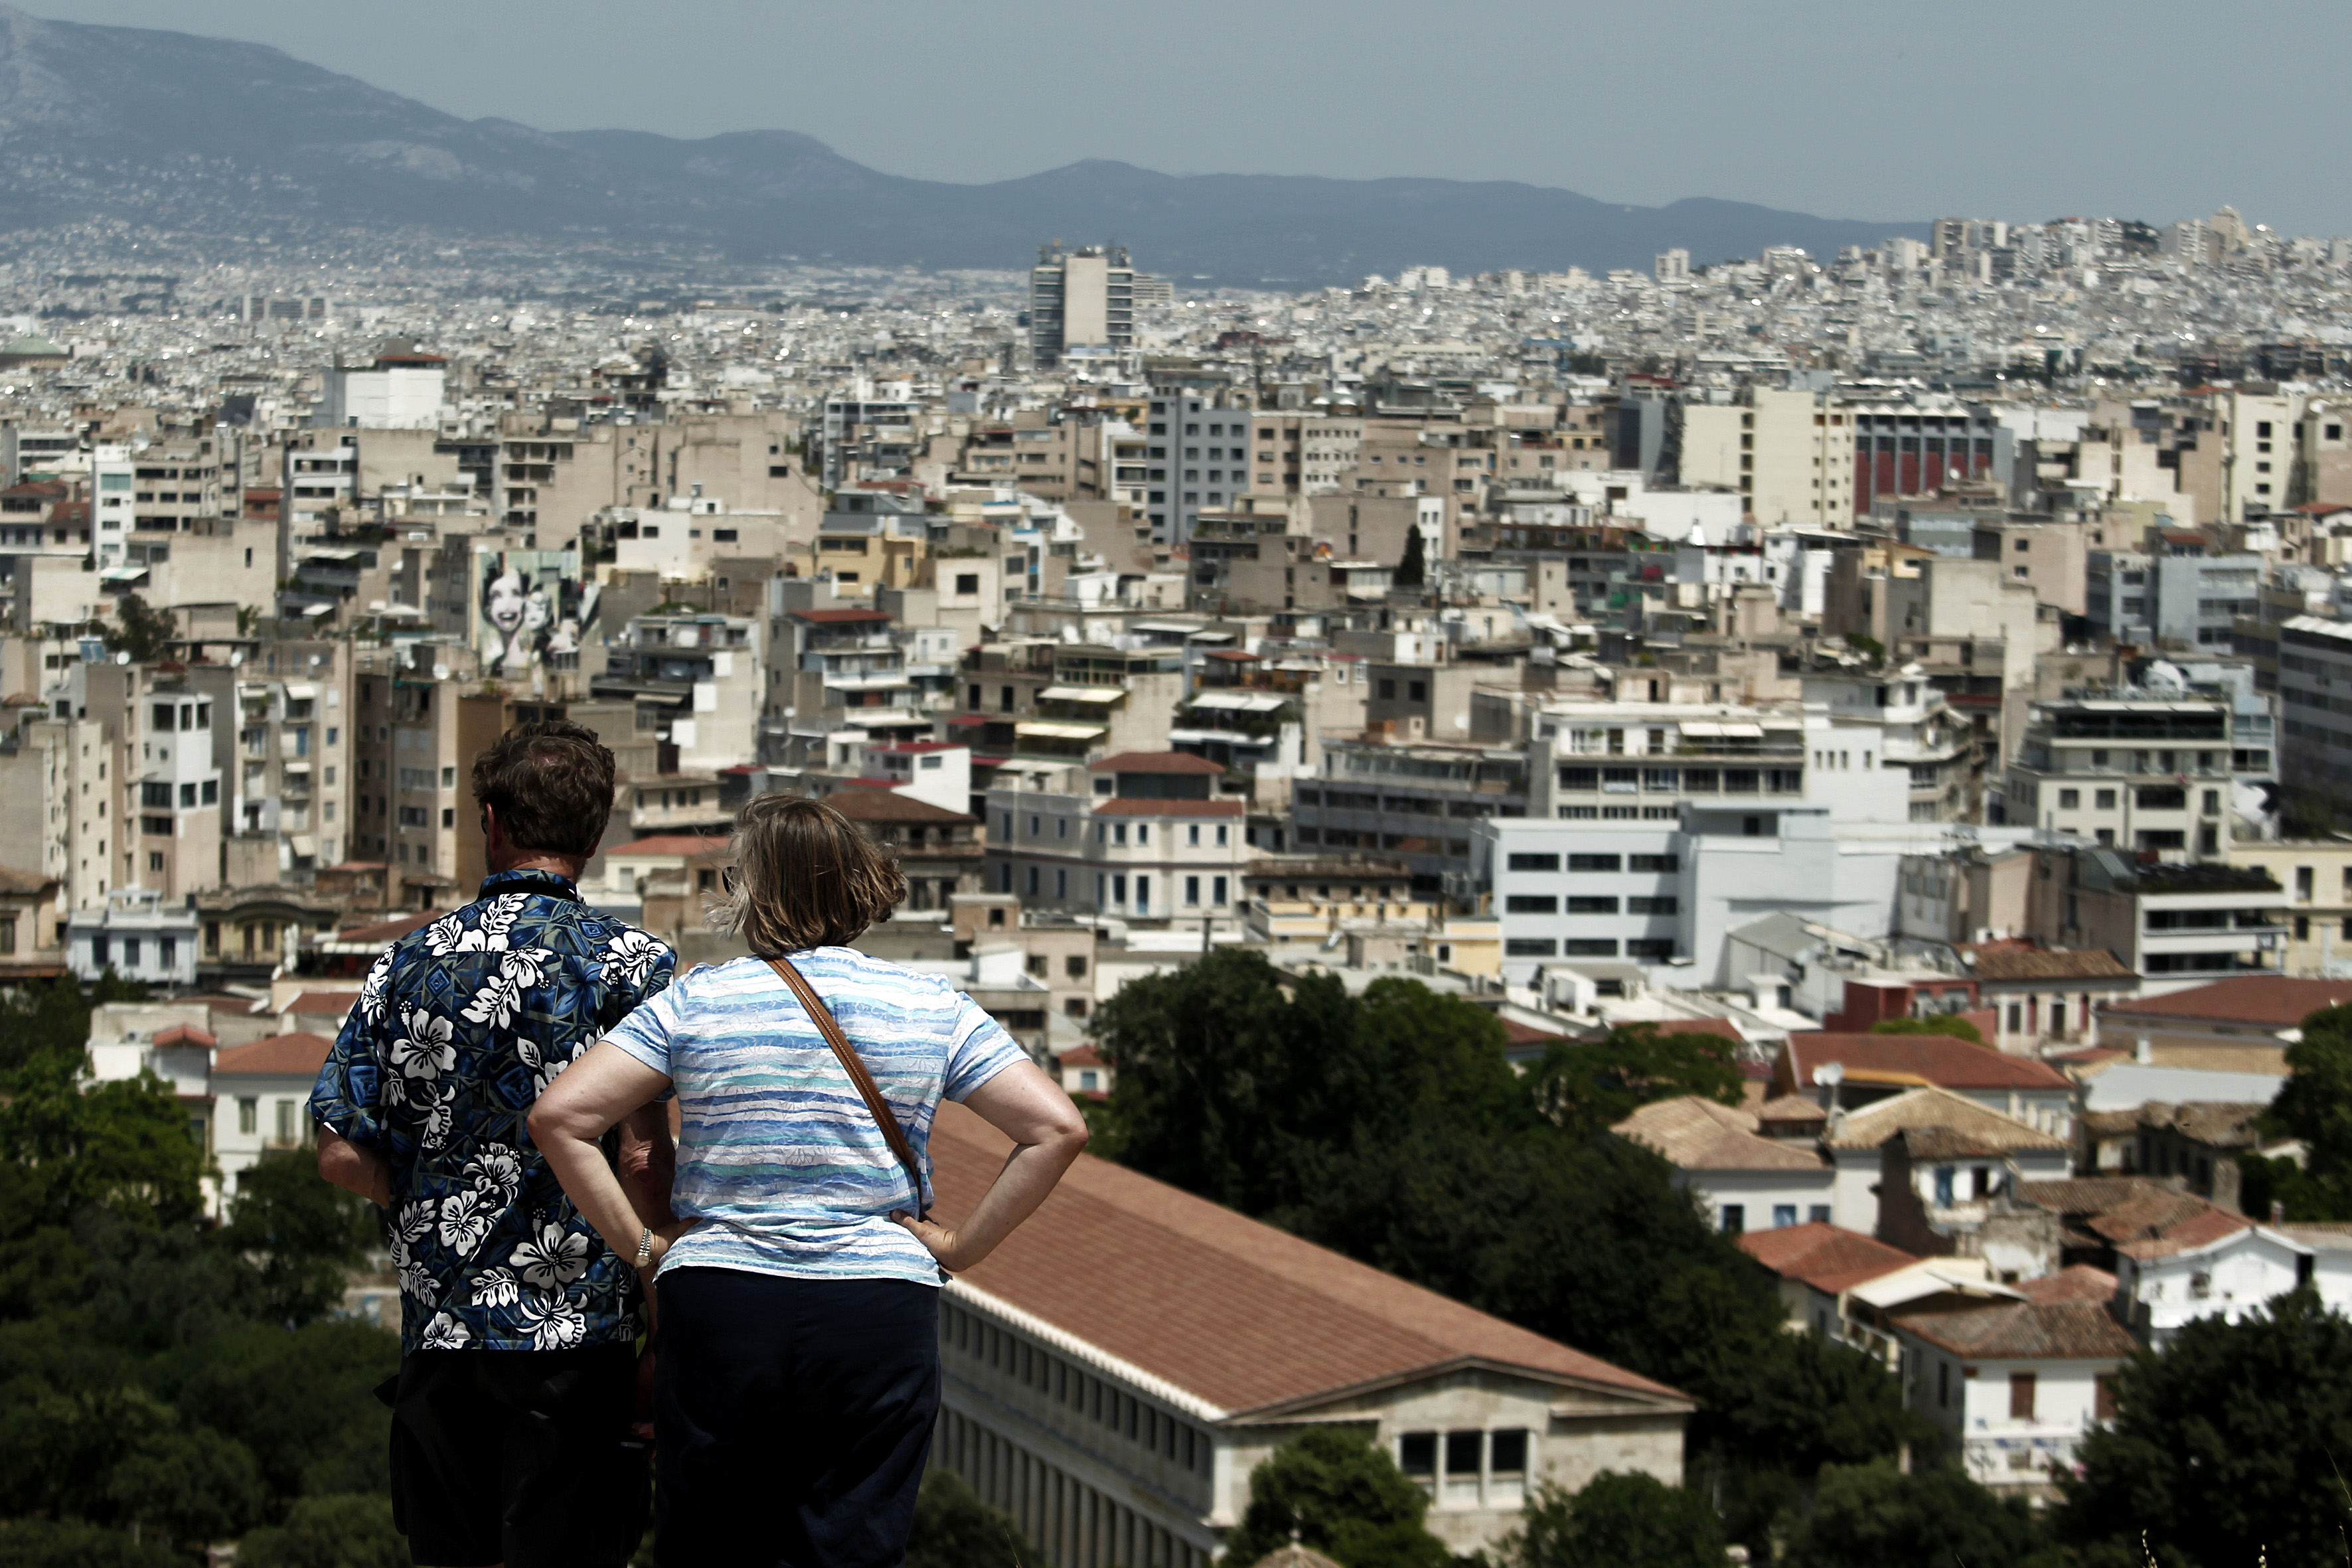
(777, 1155)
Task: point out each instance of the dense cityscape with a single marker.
(1700, 914)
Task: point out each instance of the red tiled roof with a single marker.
(185, 1034)
(1155, 762)
(2272, 1002)
(297, 1055)
(965, 721)
(1723, 1027)
(1519, 1034)
(1945, 1060)
(1241, 1315)
(1125, 807)
(1818, 1252)
(2025, 1331)
(388, 932)
(687, 844)
(2080, 1283)
(892, 805)
(1081, 1057)
(2025, 960)
(322, 1004)
(838, 617)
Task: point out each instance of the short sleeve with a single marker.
(347, 1099)
(979, 1050)
(646, 1033)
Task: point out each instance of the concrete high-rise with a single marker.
(1083, 298)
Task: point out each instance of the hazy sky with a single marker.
(1890, 110)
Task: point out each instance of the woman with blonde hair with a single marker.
(798, 1372)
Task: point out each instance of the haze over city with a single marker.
(1342, 786)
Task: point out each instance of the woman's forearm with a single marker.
(1029, 1174)
(579, 1164)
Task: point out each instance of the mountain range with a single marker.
(218, 138)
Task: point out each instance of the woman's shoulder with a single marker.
(878, 976)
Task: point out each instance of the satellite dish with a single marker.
(440, 672)
(1829, 1075)
(122, 656)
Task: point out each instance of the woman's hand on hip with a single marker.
(938, 1240)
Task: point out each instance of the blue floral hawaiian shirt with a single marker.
(459, 1027)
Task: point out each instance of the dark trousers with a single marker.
(792, 1419)
(520, 1457)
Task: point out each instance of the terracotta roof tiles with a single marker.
(2025, 1331)
(1695, 1133)
(2272, 1002)
(299, 1054)
(1239, 1314)
(1945, 1060)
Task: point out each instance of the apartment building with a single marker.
(2176, 924)
(2147, 774)
(1138, 834)
(2314, 662)
(1197, 457)
(1790, 455)
(2177, 594)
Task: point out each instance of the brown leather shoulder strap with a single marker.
(830, 1027)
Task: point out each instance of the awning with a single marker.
(305, 845)
(1082, 694)
(1061, 731)
(293, 767)
(1237, 701)
(1182, 627)
(303, 693)
(1724, 732)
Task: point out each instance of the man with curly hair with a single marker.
(511, 1438)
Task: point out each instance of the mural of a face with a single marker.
(537, 613)
(502, 601)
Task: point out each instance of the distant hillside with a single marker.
(227, 138)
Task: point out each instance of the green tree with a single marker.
(2316, 1106)
(48, 1543)
(1617, 1520)
(145, 634)
(953, 1529)
(1411, 570)
(1589, 1086)
(1933, 1024)
(191, 1487)
(1870, 1516)
(302, 1402)
(1331, 1490)
(336, 1531)
(304, 1234)
(2231, 1443)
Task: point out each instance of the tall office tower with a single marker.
(1083, 298)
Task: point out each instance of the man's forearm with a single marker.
(364, 1171)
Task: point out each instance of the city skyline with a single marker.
(1778, 109)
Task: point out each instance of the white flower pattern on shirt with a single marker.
(458, 1027)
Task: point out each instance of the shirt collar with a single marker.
(545, 883)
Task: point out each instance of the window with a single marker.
(1589, 947)
(1653, 863)
(2103, 1394)
(1734, 1217)
(2105, 800)
(1217, 887)
(285, 1121)
(1944, 1385)
(1783, 1215)
(1667, 905)
(1817, 1214)
(1192, 890)
(2070, 799)
(1464, 1456)
(1651, 949)
(1591, 906)
(2020, 1395)
(248, 1116)
(1513, 947)
(1417, 1458)
(1534, 862)
(1531, 904)
(1595, 863)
